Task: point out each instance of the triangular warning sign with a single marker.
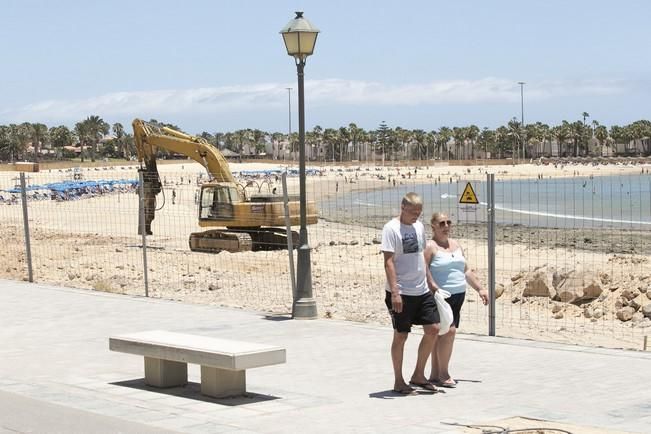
(468, 195)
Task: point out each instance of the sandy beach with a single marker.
(92, 243)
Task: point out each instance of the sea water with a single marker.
(622, 202)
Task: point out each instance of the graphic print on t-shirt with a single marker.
(410, 242)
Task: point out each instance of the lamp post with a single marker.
(522, 83)
(300, 37)
(289, 117)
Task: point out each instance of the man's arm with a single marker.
(392, 279)
(428, 253)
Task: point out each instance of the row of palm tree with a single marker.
(568, 139)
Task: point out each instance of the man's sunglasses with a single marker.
(445, 222)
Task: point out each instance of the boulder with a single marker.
(629, 294)
(637, 317)
(499, 290)
(646, 310)
(637, 302)
(579, 287)
(539, 284)
(625, 314)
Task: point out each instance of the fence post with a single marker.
(290, 240)
(490, 205)
(143, 232)
(28, 245)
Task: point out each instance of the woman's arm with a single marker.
(473, 281)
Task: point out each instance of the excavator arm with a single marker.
(148, 137)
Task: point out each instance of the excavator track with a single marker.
(271, 238)
(241, 240)
(214, 241)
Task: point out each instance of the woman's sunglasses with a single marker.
(445, 222)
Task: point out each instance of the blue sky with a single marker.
(221, 65)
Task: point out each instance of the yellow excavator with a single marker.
(234, 221)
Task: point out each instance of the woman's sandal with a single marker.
(449, 383)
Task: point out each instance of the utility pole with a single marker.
(522, 83)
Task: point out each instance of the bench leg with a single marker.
(165, 373)
(222, 383)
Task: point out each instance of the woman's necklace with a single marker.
(445, 245)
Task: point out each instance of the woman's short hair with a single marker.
(436, 217)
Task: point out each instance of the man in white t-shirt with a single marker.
(409, 291)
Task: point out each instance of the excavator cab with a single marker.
(217, 201)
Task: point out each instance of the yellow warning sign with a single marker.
(468, 195)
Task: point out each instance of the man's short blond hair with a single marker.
(412, 199)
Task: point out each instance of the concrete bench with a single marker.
(223, 362)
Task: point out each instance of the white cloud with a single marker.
(330, 92)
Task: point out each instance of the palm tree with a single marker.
(259, 139)
(276, 138)
(544, 135)
(601, 134)
(516, 134)
(487, 140)
(317, 131)
(354, 133)
(39, 135)
(430, 145)
(330, 141)
(576, 133)
(641, 130)
(443, 141)
(459, 134)
(420, 138)
(6, 148)
(561, 133)
(502, 138)
(118, 130)
(472, 134)
(97, 129)
(22, 134)
(402, 137)
(81, 130)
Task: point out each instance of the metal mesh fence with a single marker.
(571, 254)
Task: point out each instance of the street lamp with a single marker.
(300, 37)
(522, 83)
(289, 105)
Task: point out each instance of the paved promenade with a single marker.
(58, 376)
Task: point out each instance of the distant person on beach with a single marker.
(173, 196)
(450, 272)
(409, 294)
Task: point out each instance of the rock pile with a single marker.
(588, 293)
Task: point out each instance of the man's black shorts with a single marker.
(416, 310)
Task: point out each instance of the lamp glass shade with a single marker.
(300, 44)
(300, 37)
